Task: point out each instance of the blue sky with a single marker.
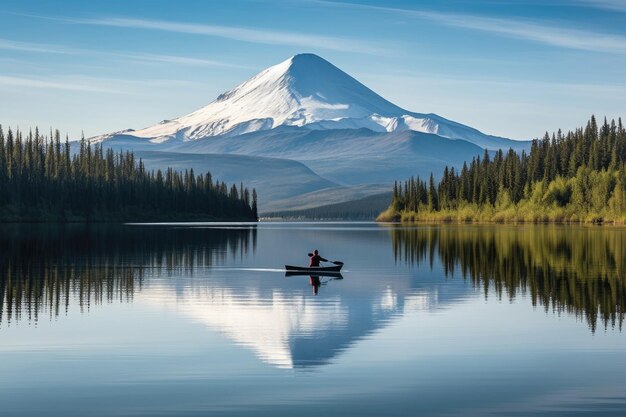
(513, 68)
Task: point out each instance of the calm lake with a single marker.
(200, 319)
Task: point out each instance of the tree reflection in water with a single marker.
(45, 268)
(578, 270)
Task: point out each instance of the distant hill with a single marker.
(274, 179)
(366, 208)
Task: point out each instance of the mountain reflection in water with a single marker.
(221, 277)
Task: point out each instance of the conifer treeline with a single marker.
(578, 176)
(43, 179)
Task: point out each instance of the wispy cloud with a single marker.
(506, 84)
(81, 83)
(537, 31)
(252, 35)
(616, 5)
(12, 45)
(176, 59)
(67, 85)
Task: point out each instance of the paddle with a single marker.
(333, 262)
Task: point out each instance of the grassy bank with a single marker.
(522, 213)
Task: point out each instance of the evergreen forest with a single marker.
(42, 179)
(578, 176)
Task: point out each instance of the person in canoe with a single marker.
(315, 258)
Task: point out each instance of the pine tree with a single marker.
(255, 213)
(581, 171)
(433, 202)
(40, 180)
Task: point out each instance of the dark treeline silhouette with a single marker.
(48, 268)
(579, 270)
(43, 179)
(578, 176)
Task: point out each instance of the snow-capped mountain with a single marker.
(305, 91)
(304, 129)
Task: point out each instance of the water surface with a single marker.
(198, 319)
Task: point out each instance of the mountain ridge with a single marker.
(309, 92)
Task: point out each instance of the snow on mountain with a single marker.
(303, 131)
(306, 91)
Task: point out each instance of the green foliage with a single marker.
(42, 179)
(558, 192)
(579, 269)
(577, 177)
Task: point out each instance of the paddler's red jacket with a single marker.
(314, 260)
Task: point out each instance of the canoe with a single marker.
(313, 269)
(331, 274)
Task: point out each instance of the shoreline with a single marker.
(450, 218)
(503, 223)
(126, 221)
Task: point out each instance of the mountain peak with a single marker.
(299, 71)
(307, 56)
(304, 91)
(309, 61)
(312, 76)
